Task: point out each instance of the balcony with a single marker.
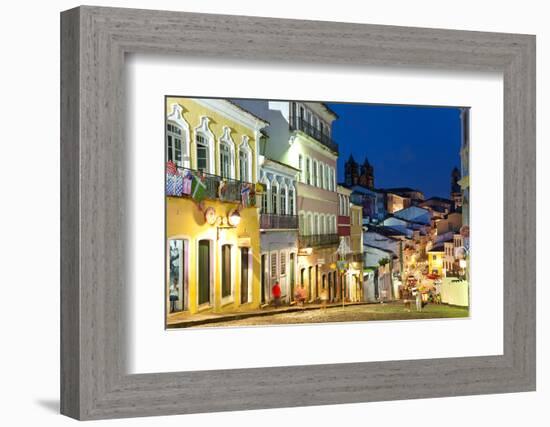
(273, 221)
(318, 240)
(298, 123)
(180, 185)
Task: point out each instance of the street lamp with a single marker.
(234, 218)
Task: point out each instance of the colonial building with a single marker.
(343, 289)
(344, 213)
(278, 229)
(401, 198)
(212, 226)
(439, 205)
(373, 203)
(300, 135)
(436, 256)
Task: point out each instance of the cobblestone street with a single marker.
(358, 313)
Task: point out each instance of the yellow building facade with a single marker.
(436, 257)
(212, 218)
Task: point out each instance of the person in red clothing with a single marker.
(276, 290)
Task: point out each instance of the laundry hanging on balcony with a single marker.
(245, 192)
(187, 182)
(198, 189)
(174, 180)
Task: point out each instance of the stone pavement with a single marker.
(185, 320)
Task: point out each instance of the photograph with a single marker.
(304, 212)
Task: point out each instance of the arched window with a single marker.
(227, 154)
(203, 153)
(282, 204)
(204, 146)
(322, 224)
(274, 196)
(245, 160)
(291, 207)
(174, 144)
(321, 175)
(315, 230)
(314, 181)
(225, 160)
(265, 198)
(308, 171)
(177, 137)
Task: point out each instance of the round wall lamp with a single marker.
(234, 218)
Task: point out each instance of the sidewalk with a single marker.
(185, 320)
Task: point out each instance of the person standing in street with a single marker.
(276, 294)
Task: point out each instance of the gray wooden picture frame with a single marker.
(94, 41)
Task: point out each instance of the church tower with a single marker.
(351, 171)
(367, 175)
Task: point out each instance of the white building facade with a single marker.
(278, 229)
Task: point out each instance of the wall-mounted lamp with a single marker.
(234, 218)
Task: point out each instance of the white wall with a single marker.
(29, 177)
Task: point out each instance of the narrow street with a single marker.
(358, 313)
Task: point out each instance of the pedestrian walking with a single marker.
(276, 291)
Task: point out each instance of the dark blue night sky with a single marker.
(408, 146)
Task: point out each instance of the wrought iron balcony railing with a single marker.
(318, 240)
(298, 123)
(181, 184)
(272, 221)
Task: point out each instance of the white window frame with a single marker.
(282, 263)
(271, 265)
(267, 196)
(245, 147)
(204, 129)
(274, 196)
(176, 118)
(291, 199)
(315, 175)
(227, 140)
(283, 198)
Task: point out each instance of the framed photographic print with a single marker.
(262, 213)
